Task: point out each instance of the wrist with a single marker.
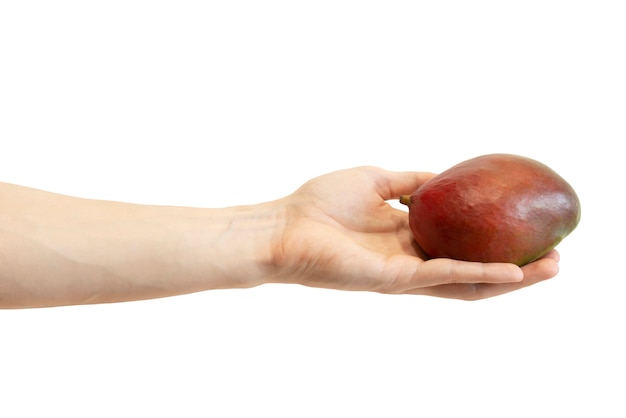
(242, 247)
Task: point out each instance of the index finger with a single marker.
(538, 271)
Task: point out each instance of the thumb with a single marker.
(393, 184)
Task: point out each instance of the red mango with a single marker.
(493, 208)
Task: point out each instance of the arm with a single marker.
(61, 250)
(336, 231)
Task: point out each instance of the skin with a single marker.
(337, 231)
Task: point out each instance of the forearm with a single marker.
(60, 250)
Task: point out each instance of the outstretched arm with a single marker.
(337, 231)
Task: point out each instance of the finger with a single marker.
(544, 268)
(554, 255)
(407, 274)
(393, 184)
(534, 273)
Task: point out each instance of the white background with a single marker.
(230, 102)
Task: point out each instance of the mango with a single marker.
(493, 208)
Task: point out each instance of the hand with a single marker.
(340, 233)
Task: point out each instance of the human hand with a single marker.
(341, 233)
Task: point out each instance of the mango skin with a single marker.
(493, 208)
